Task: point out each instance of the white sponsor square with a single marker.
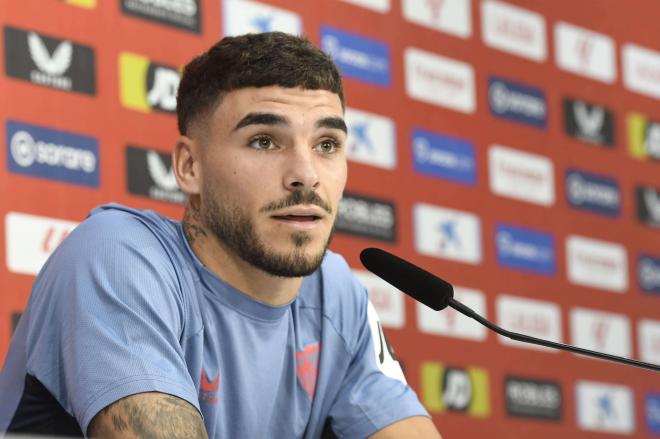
(31, 239)
(450, 322)
(450, 16)
(601, 331)
(514, 30)
(604, 407)
(381, 6)
(584, 52)
(648, 333)
(387, 300)
(531, 317)
(371, 139)
(596, 264)
(439, 80)
(641, 70)
(521, 175)
(447, 233)
(245, 16)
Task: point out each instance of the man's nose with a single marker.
(301, 170)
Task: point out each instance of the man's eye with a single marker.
(328, 146)
(262, 142)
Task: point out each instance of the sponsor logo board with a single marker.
(147, 86)
(149, 173)
(439, 80)
(447, 233)
(643, 137)
(387, 300)
(517, 102)
(515, 30)
(521, 175)
(641, 70)
(49, 61)
(371, 139)
(594, 193)
(245, 16)
(183, 14)
(358, 57)
(31, 239)
(652, 409)
(450, 322)
(601, 331)
(533, 398)
(648, 273)
(455, 389)
(525, 249)
(531, 317)
(596, 264)
(385, 357)
(381, 6)
(648, 205)
(52, 154)
(589, 122)
(648, 332)
(604, 407)
(443, 156)
(584, 52)
(450, 16)
(371, 218)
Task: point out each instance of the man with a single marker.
(236, 322)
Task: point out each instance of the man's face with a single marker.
(273, 170)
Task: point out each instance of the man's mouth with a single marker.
(301, 218)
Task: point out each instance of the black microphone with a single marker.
(438, 294)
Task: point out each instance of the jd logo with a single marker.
(456, 389)
(162, 83)
(652, 139)
(147, 86)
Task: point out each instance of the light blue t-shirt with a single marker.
(124, 306)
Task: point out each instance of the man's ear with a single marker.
(186, 165)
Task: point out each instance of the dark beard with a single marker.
(235, 229)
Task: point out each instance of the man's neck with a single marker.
(227, 265)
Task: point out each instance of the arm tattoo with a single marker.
(164, 417)
(192, 224)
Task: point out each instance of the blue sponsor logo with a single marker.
(648, 273)
(444, 157)
(517, 102)
(525, 249)
(358, 57)
(594, 193)
(653, 412)
(56, 155)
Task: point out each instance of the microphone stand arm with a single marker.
(458, 306)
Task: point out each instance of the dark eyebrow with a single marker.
(336, 123)
(261, 119)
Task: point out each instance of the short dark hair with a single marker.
(252, 60)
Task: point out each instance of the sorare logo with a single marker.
(51, 154)
(150, 174)
(517, 102)
(589, 122)
(357, 56)
(147, 86)
(648, 205)
(653, 412)
(456, 389)
(593, 193)
(648, 273)
(444, 157)
(49, 61)
(643, 137)
(531, 398)
(368, 217)
(525, 249)
(183, 14)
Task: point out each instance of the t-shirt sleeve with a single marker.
(106, 317)
(374, 392)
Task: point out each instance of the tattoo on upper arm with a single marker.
(149, 417)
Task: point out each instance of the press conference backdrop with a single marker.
(512, 147)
